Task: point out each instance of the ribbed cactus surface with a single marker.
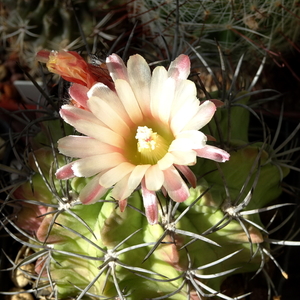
(104, 250)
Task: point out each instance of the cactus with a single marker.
(256, 28)
(251, 28)
(27, 27)
(174, 239)
(106, 250)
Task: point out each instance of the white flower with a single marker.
(142, 132)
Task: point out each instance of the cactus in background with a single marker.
(27, 27)
(187, 247)
(253, 28)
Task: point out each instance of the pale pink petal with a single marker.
(184, 115)
(137, 175)
(164, 192)
(98, 89)
(115, 174)
(166, 161)
(106, 114)
(122, 204)
(121, 190)
(154, 178)
(180, 67)
(172, 179)
(101, 133)
(83, 146)
(129, 183)
(188, 174)
(92, 192)
(165, 99)
(78, 92)
(116, 67)
(213, 153)
(181, 194)
(71, 114)
(139, 75)
(78, 118)
(185, 92)
(187, 140)
(65, 172)
(188, 158)
(150, 204)
(104, 93)
(89, 166)
(181, 145)
(197, 137)
(129, 101)
(175, 186)
(204, 114)
(159, 76)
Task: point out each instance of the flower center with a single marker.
(151, 146)
(146, 138)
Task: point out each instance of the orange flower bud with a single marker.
(73, 68)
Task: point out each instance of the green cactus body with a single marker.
(98, 251)
(85, 252)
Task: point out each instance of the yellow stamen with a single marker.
(151, 145)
